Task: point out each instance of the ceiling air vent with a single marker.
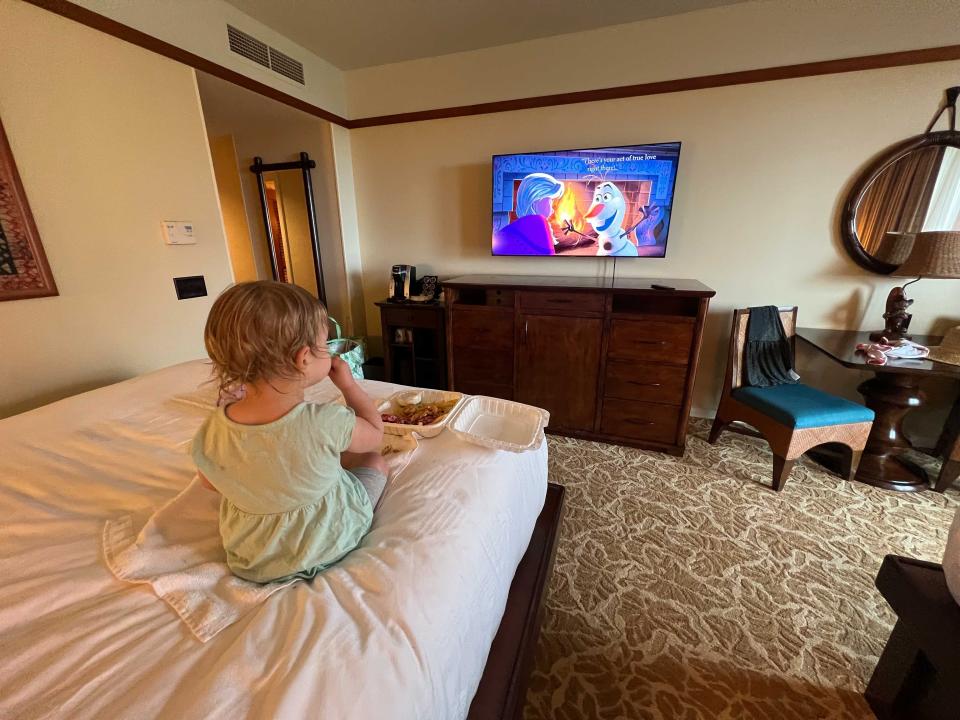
(248, 46)
(262, 54)
(286, 65)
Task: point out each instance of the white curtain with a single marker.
(944, 210)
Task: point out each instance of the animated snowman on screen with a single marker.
(606, 215)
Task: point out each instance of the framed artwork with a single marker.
(24, 271)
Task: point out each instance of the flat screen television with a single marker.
(613, 201)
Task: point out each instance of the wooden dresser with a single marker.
(611, 360)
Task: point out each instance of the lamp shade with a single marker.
(895, 247)
(935, 254)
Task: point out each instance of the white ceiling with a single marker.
(360, 33)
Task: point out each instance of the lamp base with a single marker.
(896, 316)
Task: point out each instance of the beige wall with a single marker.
(743, 36)
(223, 152)
(349, 232)
(109, 141)
(762, 175)
(200, 26)
(278, 133)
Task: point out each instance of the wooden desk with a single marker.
(891, 393)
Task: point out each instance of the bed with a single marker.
(434, 616)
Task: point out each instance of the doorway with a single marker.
(242, 125)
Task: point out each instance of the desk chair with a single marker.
(792, 418)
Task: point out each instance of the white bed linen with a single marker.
(400, 629)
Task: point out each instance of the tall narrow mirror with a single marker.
(289, 220)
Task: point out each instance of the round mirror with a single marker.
(912, 186)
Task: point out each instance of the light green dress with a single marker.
(288, 507)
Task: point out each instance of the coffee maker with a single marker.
(403, 281)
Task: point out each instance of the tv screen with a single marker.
(613, 201)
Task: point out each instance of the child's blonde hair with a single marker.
(255, 329)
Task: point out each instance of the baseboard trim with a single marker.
(705, 413)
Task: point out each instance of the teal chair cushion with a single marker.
(800, 406)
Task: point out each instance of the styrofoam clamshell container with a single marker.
(390, 405)
(499, 424)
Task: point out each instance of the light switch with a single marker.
(178, 232)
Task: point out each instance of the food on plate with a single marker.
(398, 444)
(422, 413)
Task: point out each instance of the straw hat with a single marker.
(948, 351)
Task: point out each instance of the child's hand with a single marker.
(340, 373)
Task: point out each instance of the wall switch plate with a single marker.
(178, 232)
(192, 286)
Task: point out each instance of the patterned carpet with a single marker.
(686, 588)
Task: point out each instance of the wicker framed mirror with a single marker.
(910, 187)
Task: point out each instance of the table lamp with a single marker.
(895, 247)
(933, 254)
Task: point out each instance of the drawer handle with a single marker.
(640, 422)
(559, 300)
(651, 342)
(643, 384)
(637, 358)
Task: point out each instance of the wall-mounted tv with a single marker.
(613, 201)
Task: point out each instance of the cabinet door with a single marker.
(559, 362)
(482, 350)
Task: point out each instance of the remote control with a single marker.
(662, 287)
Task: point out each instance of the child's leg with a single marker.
(370, 469)
(372, 460)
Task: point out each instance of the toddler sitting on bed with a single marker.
(299, 480)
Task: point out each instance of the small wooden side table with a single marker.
(414, 343)
(891, 393)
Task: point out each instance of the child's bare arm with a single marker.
(206, 483)
(368, 432)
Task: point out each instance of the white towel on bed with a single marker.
(178, 552)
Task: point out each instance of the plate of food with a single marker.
(424, 412)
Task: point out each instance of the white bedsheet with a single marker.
(400, 629)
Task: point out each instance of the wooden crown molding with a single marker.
(701, 82)
(741, 77)
(148, 42)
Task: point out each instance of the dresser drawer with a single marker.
(651, 341)
(639, 421)
(408, 317)
(646, 381)
(487, 329)
(471, 364)
(570, 301)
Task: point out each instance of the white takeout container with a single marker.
(499, 424)
(391, 405)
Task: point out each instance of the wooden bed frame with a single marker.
(503, 687)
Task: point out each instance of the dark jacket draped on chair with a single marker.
(767, 355)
